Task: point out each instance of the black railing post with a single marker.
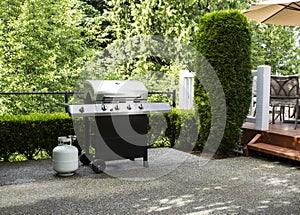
(66, 101)
(174, 98)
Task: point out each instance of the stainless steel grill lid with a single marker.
(116, 97)
(116, 90)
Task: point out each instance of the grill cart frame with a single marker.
(115, 121)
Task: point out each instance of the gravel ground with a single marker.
(174, 183)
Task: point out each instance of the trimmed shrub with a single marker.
(177, 129)
(30, 134)
(224, 39)
(25, 136)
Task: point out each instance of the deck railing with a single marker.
(262, 90)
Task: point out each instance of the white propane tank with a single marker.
(65, 157)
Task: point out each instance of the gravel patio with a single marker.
(174, 183)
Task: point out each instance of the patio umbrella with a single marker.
(281, 12)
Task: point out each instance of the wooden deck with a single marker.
(281, 140)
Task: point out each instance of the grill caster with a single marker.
(84, 159)
(145, 163)
(98, 166)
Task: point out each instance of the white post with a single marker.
(186, 89)
(251, 116)
(263, 97)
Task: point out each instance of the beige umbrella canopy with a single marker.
(280, 12)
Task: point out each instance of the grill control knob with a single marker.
(141, 107)
(117, 107)
(81, 110)
(103, 107)
(129, 107)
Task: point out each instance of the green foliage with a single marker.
(169, 18)
(177, 129)
(208, 6)
(153, 17)
(41, 48)
(224, 39)
(34, 136)
(129, 18)
(276, 46)
(98, 5)
(29, 135)
(124, 19)
(45, 43)
(96, 33)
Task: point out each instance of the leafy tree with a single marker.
(44, 43)
(96, 34)
(169, 18)
(129, 18)
(211, 6)
(98, 5)
(42, 48)
(276, 46)
(272, 45)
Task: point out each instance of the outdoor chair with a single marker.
(284, 92)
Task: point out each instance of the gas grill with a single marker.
(115, 121)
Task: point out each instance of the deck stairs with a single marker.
(272, 143)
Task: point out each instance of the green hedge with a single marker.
(28, 135)
(224, 39)
(177, 129)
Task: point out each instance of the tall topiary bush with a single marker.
(224, 39)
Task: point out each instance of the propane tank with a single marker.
(65, 157)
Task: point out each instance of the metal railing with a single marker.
(70, 93)
(66, 94)
(173, 94)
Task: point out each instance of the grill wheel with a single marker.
(98, 166)
(85, 159)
